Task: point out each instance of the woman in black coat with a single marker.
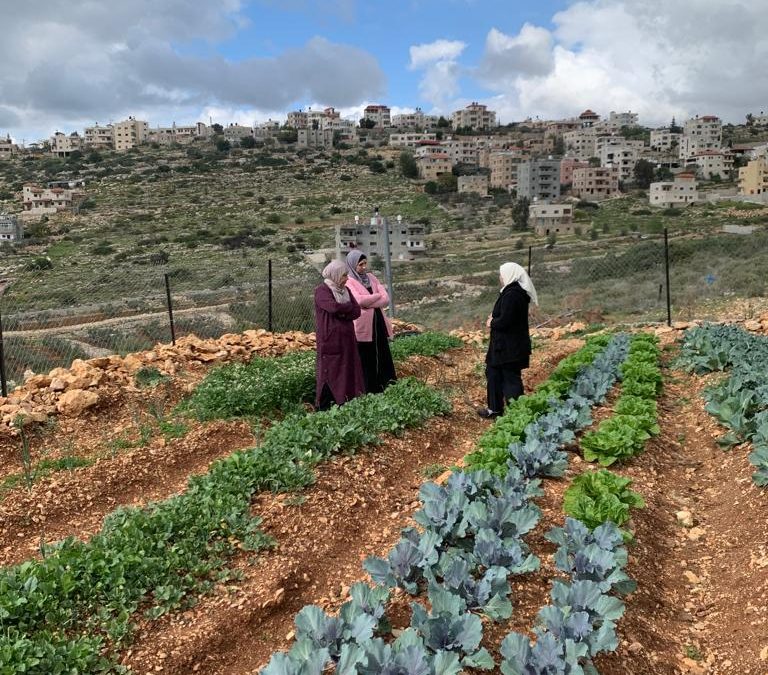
(509, 348)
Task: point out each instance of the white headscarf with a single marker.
(511, 272)
(333, 278)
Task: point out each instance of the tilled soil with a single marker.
(356, 508)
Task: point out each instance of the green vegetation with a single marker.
(595, 497)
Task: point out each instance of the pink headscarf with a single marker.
(333, 277)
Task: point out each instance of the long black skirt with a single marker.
(376, 357)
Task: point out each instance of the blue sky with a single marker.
(65, 64)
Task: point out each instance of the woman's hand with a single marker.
(488, 322)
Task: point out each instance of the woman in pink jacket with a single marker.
(372, 329)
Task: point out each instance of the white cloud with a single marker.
(88, 61)
(439, 61)
(655, 57)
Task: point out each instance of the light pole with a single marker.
(387, 259)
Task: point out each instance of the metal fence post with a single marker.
(666, 270)
(269, 295)
(170, 307)
(3, 382)
(530, 250)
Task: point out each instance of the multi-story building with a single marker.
(539, 179)
(11, 228)
(7, 148)
(297, 119)
(178, 134)
(234, 133)
(477, 184)
(682, 190)
(411, 139)
(380, 115)
(315, 138)
(540, 145)
(595, 183)
(546, 218)
(475, 116)
(416, 120)
(567, 165)
(432, 165)
(129, 133)
(99, 137)
(63, 145)
(701, 133)
(711, 163)
(589, 119)
(38, 201)
(664, 139)
(504, 166)
(616, 121)
(268, 129)
(406, 240)
(581, 143)
(621, 157)
(753, 178)
(461, 150)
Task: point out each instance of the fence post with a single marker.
(170, 307)
(666, 270)
(530, 249)
(3, 382)
(269, 295)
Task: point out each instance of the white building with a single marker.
(475, 116)
(38, 201)
(406, 240)
(581, 143)
(671, 193)
(664, 139)
(416, 120)
(701, 133)
(546, 218)
(130, 133)
(411, 139)
(11, 228)
(461, 150)
(315, 138)
(380, 115)
(477, 184)
(620, 157)
(178, 134)
(8, 148)
(99, 137)
(711, 163)
(63, 145)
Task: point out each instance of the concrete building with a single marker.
(567, 165)
(63, 145)
(380, 115)
(319, 139)
(38, 201)
(416, 120)
(665, 140)
(475, 116)
(7, 148)
(477, 184)
(410, 139)
(621, 157)
(11, 228)
(547, 218)
(178, 134)
(268, 129)
(461, 150)
(595, 183)
(617, 120)
(753, 178)
(540, 145)
(681, 191)
(433, 165)
(130, 133)
(234, 133)
(297, 119)
(504, 165)
(581, 143)
(539, 179)
(701, 133)
(711, 163)
(96, 137)
(588, 119)
(406, 240)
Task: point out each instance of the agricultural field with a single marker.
(210, 522)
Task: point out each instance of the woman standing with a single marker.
(509, 348)
(372, 329)
(339, 374)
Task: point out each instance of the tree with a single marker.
(223, 145)
(520, 212)
(366, 123)
(408, 166)
(643, 173)
(443, 123)
(559, 147)
(674, 128)
(594, 161)
(247, 142)
(664, 174)
(217, 128)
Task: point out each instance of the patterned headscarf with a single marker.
(333, 278)
(511, 272)
(353, 258)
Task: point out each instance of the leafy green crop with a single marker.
(423, 344)
(595, 497)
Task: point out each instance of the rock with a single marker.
(681, 325)
(635, 647)
(753, 325)
(57, 384)
(764, 653)
(691, 577)
(696, 533)
(75, 401)
(685, 518)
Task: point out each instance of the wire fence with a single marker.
(51, 318)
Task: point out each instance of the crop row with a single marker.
(739, 401)
(470, 543)
(59, 613)
(264, 386)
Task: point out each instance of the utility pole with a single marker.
(387, 257)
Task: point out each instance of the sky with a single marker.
(67, 64)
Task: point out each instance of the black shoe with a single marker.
(487, 413)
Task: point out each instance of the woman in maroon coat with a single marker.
(339, 371)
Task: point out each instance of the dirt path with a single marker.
(356, 508)
(701, 605)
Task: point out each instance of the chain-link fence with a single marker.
(49, 321)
